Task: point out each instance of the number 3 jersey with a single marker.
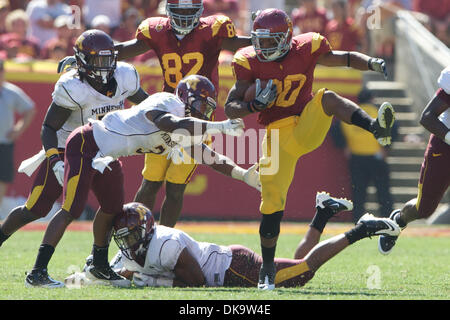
(129, 132)
(85, 102)
(196, 53)
(293, 74)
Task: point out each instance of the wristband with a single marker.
(51, 152)
(447, 138)
(238, 173)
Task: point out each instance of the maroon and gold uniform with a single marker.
(296, 114)
(195, 53)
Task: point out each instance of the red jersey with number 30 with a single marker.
(196, 53)
(293, 74)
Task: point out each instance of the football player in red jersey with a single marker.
(185, 43)
(287, 105)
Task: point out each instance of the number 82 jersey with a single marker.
(196, 53)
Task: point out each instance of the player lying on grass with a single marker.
(92, 152)
(434, 173)
(154, 255)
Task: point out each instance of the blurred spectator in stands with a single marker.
(42, 15)
(13, 101)
(146, 8)
(18, 4)
(249, 6)
(309, 17)
(62, 45)
(101, 22)
(15, 43)
(229, 8)
(439, 17)
(4, 10)
(342, 32)
(127, 29)
(367, 160)
(110, 8)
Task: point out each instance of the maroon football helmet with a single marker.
(133, 230)
(184, 15)
(96, 56)
(199, 95)
(271, 34)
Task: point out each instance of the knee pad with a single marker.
(270, 225)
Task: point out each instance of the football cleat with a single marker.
(379, 226)
(40, 278)
(386, 243)
(324, 200)
(89, 260)
(107, 276)
(384, 123)
(267, 277)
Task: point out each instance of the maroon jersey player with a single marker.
(434, 174)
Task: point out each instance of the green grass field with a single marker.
(418, 268)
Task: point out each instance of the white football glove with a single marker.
(58, 169)
(231, 127)
(250, 176)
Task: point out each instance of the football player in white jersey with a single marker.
(435, 173)
(162, 123)
(97, 86)
(155, 255)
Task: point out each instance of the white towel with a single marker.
(30, 165)
(99, 163)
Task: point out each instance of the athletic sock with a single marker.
(100, 256)
(268, 254)
(357, 233)
(44, 255)
(3, 237)
(398, 219)
(362, 120)
(321, 218)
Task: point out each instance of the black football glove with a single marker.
(66, 62)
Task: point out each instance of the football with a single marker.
(251, 91)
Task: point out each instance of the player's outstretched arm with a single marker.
(234, 44)
(130, 49)
(430, 117)
(353, 59)
(222, 164)
(194, 127)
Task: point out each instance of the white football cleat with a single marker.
(324, 200)
(379, 226)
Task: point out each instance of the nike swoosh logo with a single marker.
(104, 275)
(437, 154)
